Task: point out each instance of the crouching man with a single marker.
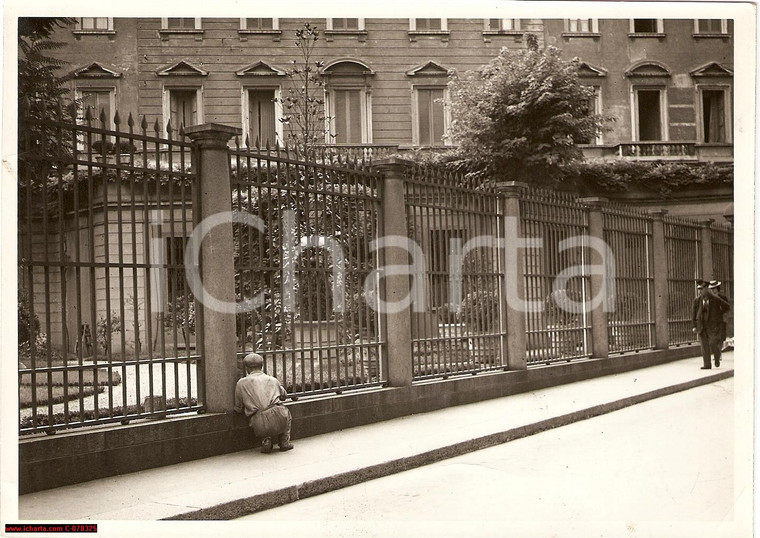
(260, 396)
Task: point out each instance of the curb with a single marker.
(272, 499)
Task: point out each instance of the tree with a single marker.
(304, 105)
(520, 116)
(42, 94)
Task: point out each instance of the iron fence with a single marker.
(723, 265)
(683, 246)
(628, 234)
(319, 210)
(106, 325)
(559, 328)
(460, 328)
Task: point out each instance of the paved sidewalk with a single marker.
(233, 485)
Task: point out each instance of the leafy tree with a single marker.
(42, 94)
(521, 115)
(304, 104)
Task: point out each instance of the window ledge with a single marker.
(260, 32)
(360, 34)
(594, 35)
(443, 34)
(180, 31)
(503, 32)
(93, 32)
(657, 35)
(711, 36)
(429, 32)
(345, 32)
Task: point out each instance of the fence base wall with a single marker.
(47, 462)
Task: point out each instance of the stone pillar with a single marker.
(395, 287)
(212, 163)
(513, 322)
(660, 280)
(707, 261)
(600, 340)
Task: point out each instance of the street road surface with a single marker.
(665, 460)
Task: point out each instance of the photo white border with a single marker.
(745, 69)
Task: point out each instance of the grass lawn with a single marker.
(25, 394)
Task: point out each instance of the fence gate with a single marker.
(562, 329)
(106, 325)
(683, 245)
(723, 265)
(461, 327)
(631, 320)
(320, 213)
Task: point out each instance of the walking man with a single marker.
(260, 396)
(707, 318)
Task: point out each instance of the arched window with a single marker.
(349, 101)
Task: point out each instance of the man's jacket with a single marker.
(708, 312)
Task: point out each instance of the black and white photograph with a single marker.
(420, 271)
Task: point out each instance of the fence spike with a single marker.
(169, 129)
(103, 118)
(237, 143)
(267, 147)
(287, 150)
(258, 143)
(130, 121)
(116, 120)
(248, 141)
(144, 124)
(88, 115)
(181, 131)
(157, 127)
(277, 147)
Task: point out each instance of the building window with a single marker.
(96, 100)
(581, 26)
(717, 27)
(345, 24)
(646, 27)
(346, 111)
(428, 25)
(181, 25)
(259, 24)
(95, 24)
(430, 118)
(502, 25)
(649, 115)
(594, 106)
(183, 106)
(265, 26)
(261, 117)
(713, 108)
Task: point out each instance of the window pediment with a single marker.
(260, 69)
(95, 70)
(712, 69)
(182, 68)
(647, 69)
(429, 69)
(588, 70)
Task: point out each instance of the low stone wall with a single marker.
(78, 456)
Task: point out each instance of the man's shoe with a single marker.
(286, 448)
(266, 446)
(717, 364)
(706, 368)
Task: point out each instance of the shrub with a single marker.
(28, 323)
(620, 175)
